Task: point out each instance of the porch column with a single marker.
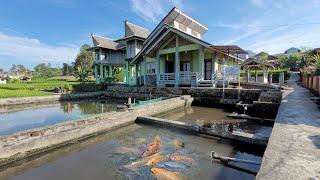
(96, 73)
(177, 63)
(248, 75)
(201, 60)
(101, 73)
(110, 71)
(213, 62)
(256, 76)
(265, 75)
(145, 71)
(270, 78)
(158, 67)
(127, 73)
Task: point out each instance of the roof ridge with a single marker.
(136, 25)
(103, 37)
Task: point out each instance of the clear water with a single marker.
(105, 157)
(23, 117)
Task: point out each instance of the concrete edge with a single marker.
(36, 141)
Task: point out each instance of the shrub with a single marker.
(87, 87)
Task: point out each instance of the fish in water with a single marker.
(182, 158)
(172, 165)
(156, 159)
(140, 162)
(177, 144)
(161, 173)
(152, 147)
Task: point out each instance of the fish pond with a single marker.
(24, 117)
(218, 119)
(138, 151)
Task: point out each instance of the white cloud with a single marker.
(153, 10)
(258, 2)
(29, 49)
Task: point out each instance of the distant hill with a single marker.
(250, 53)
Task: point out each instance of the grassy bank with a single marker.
(42, 87)
(5, 93)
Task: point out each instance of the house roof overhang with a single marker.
(176, 14)
(166, 31)
(256, 64)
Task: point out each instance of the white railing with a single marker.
(214, 79)
(167, 78)
(187, 78)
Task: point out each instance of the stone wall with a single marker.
(30, 142)
(200, 95)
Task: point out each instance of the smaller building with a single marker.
(265, 57)
(3, 80)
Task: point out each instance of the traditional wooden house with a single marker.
(173, 54)
(112, 55)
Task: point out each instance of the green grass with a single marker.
(36, 85)
(5, 93)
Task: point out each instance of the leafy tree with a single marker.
(84, 59)
(67, 69)
(18, 69)
(291, 61)
(263, 57)
(44, 70)
(81, 73)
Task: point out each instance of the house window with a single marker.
(151, 67)
(194, 33)
(182, 27)
(97, 54)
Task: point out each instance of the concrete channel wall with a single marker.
(31, 142)
(264, 103)
(50, 98)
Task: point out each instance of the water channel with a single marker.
(107, 157)
(24, 117)
(117, 154)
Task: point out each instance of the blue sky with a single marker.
(36, 31)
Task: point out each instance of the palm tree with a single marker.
(315, 60)
(81, 73)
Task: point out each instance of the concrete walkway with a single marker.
(293, 151)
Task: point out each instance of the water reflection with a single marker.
(39, 115)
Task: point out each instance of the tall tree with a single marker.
(291, 62)
(84, 59)
(45, 70)
(18, 69)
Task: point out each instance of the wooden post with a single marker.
(177, 63)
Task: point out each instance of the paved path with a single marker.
(293, 151)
